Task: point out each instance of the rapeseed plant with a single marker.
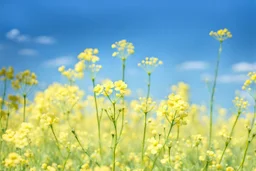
(56, 130)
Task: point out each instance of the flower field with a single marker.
(64, 129)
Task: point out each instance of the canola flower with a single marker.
(60, 130)
(221, 35)
(24, 82)
(149, 65)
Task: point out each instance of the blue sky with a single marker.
(52, 33)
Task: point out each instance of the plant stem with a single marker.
(24, 107)
(77, 139)
(7, 121)
(248, 140)
(144, 137)
(55, 137)
(98, 118)
(2, 104)
(178, 133)
(213, 93)
(64, 165)
(230, 136)
(115, 139)
(123, 78)
(145, 119)
(154, 163)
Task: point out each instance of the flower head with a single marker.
(149, 64)
(221, 34)
(124, 49)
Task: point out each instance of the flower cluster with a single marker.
(20, 137)
(7, 74)
(89, 58)
(124, 49)
(149, 64)
(24, 81)
(154, 146)
(115, 89)
(72, 74)
(249, 82)
(13, 160)
(181, 89)
(240, 103)
(175, 109)
(89, 55)
(221, 34)
(145, 105)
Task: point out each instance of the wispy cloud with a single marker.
(244, 67)
(56, 62)
(45, 40)
(27, 52)
(225, 79)
(17, 36)
(193, 65)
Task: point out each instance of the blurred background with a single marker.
(43, 35)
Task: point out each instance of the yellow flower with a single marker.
(230, 168)
(221, 34)
(149, 64)
(124, 49)
(12, 160)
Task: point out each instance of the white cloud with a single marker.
(193, 65)
(17, 36)
(28, 52)
(225, 79)
(22, 38)
(232, 78)
(13, 34)
(56, 62)
(244, 67)
(44, 40)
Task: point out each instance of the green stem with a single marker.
(145, 119)
(98, 118)
(144, 137)
(77, 139)
(24, 107)
(213, 93)
(115, 139)
(154, 163)
(244, 156)
(123, 78)
(178, 133)
(64, 165)
(3, 100)
(230, 136)
(123, 69)
(248, 140)
(7, 121)
(55, 137)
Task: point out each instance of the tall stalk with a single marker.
(3, 100)
(213, 93)
(24, 107)
(115, 138)
(167, 138)
(98, 117)
(249, 140)
(145, 119)
(230, 136)
(123, 79)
